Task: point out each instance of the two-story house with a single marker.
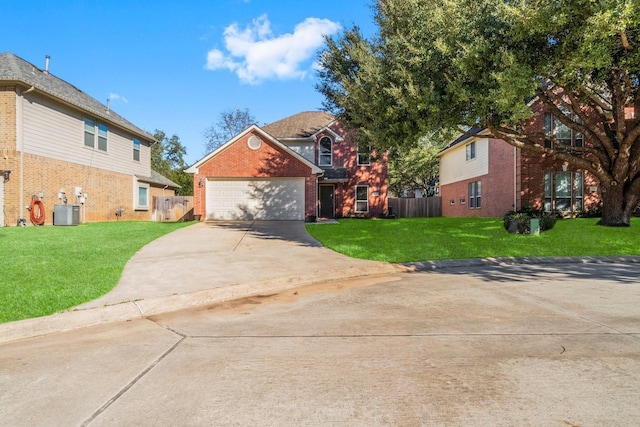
(60, 146)
(303, 167)
(484, 176)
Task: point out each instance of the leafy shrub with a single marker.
(520, 221)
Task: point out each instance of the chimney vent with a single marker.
(108, 104)
(46, 64)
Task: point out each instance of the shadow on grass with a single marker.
(625, 270)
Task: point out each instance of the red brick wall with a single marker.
(106, 190)
(497, 187)
(375, 175)
(238, 160)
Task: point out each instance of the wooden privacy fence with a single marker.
(415, 208)
(172, 208)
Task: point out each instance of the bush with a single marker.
(520, 221)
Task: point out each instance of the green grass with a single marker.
(427, 239)
(49, 269)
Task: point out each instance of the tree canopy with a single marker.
(167, 158)
(443, 64)
(230, 123)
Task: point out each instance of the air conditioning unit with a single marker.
(66, 215)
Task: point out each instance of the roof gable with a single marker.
(15, 69)
(255, 129)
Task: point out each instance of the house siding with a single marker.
(53, 130)
(498, 184)
(455, 167)
(54, 158)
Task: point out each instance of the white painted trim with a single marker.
(253, 128)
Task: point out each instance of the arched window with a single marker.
(325, 151)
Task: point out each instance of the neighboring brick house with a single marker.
(54, 138)
(300, 168)
(483, 176)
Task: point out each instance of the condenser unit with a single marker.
(66, 215)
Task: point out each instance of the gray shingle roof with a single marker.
(15, 69)
(301, 125)
(158, 179)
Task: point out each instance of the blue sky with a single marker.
(176, 65)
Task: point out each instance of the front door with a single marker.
(327, 208)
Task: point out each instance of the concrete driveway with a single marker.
(520, 345)
(204, 263)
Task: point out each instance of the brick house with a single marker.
(487, 177)
(60, 146)
(300, 168)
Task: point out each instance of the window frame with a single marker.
(551, 125)
(363, 159)
(475, 195)
(323, 155)
(470, 151)
(576, 191)
(136, 196)
(96, 132)
(136, 150)
(359, 201)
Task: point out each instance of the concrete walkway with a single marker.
(205, 263)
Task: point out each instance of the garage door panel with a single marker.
(263, 199)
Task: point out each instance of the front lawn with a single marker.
(48, 269)
(427, 239)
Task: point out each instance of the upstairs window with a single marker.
(563, 134)
(471, 151)
(325, 157)
(95, 131)
(89, 133)
(136, 150)
(364, 156)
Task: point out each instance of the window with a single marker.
(102, 137)
(362, 198)
(325, 151)
(93, 130)
(563, 190)
(136, 150)
(141, 196)
(89, 132)
(554, 128)
(364, 157)
(475, 195)
(471, 151)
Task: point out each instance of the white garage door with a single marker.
(249, 199)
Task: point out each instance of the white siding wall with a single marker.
(51, 129)
(455, 167)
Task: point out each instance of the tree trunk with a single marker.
(615, 212)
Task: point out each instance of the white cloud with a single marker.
(255, 54)
(115, 96)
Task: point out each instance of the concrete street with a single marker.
(525, 345)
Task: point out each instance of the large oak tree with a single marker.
(441, 64)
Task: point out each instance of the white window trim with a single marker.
(358, 200)
(367, 153)
(320, 152)
(136, 149)
(96, 135)
(470, 151)
(136, 196)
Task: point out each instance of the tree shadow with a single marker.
(290, 231)
(625, 270)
